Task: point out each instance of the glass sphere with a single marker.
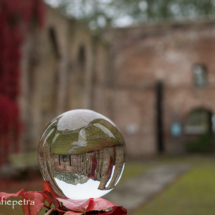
(82, 154)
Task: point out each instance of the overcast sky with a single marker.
(75, 9)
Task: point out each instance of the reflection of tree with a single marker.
(98, 165)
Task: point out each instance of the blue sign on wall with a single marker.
(175, 129)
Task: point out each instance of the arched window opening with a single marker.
(53, 39)
(199, 73)
(198, 130)
(198, 122)
(80, 86)
(51, 76)
(55, 51)
(81, 55)
(81, 64)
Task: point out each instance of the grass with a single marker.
(192, 194)
(133, 169)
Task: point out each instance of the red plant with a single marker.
(15, 16)
(36, 201)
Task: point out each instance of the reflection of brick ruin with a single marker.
(98, 165)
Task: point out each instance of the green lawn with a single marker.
(133, 169)
(191, 194)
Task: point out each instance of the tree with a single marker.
(98, 14)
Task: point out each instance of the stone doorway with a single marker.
(198, 131)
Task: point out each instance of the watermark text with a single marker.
(15, 202)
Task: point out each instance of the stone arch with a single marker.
(81, 64)
(51, 76)
(199, 113)
(52, 34)
(198, 130)
(80, 77)
(189, 109)
(82, 59)
(53, 38)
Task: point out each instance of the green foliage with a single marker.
(99, 14)
(203, 143)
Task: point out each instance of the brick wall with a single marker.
(58, 67)
(165, 52)
(65, 66)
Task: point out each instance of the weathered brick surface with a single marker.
(117, 77)
(144, 55)
(58, 66)
(135, 108)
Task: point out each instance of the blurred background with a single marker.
(147, 65)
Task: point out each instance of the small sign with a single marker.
(132, 128)
(175, 129)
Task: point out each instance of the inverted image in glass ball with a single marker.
(82, 154)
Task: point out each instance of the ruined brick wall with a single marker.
(58, 66)
(102, 78)
(65, 66)
(144, 55)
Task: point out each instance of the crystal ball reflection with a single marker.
(82, 154)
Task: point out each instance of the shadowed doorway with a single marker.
(198, 131)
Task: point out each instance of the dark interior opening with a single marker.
(159, 110)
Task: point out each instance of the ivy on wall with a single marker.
(15, 18)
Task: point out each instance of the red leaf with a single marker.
(73, 213)
(100, 204)
(117, 210)
(32, 203)
(75, 205)
(4, 196)
(47, 187)
(78, 207)
(52, 199)
(83, 206)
